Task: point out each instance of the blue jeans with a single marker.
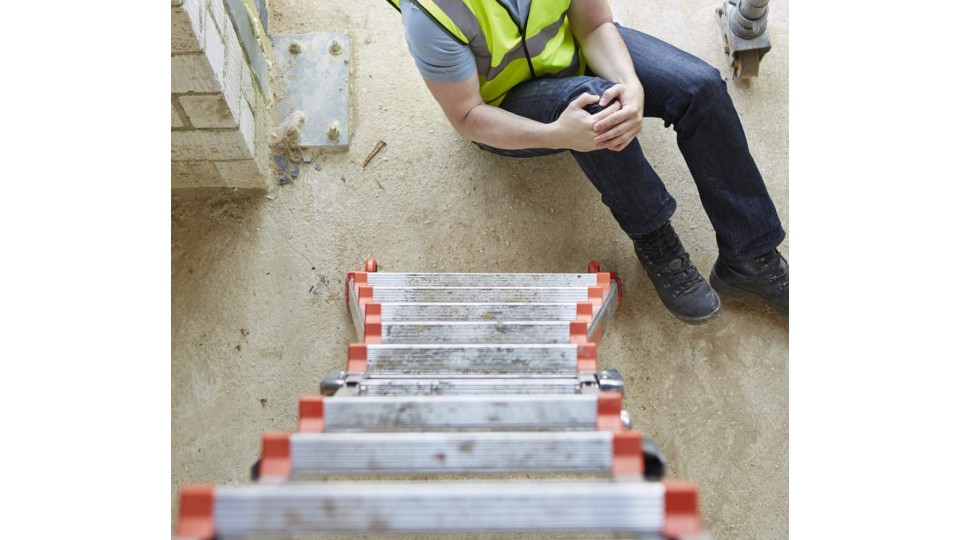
(689, 94)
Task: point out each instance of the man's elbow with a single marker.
(461, 128)
(465, 124)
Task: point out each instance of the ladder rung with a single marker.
(470, 359)
(582, 412)
(480, 294)
(468, 386)
(479, 312)
(387, 279)
(462, 452)
(476, 332)
(655, 508)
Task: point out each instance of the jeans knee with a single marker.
(588, 85)
(705, 81)
(702, 91)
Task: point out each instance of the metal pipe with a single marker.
(749, 19)
(753, 9)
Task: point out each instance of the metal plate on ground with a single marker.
(316, 82)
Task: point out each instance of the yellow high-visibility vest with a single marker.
(509, 52)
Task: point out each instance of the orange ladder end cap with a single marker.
(372, 329)
(364, 294)
(609, 405)
(627, 454)
(373, 309)
(357, 365)
(275, 456)
(195, 519)
(585, 312)
(357, 357)
(311, 414)
(371, 319)
(578, 332)
(587, 357)
(358, 278)
(603, 281)
(681, 515)
(595, 295)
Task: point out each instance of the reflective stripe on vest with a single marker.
(509, 52)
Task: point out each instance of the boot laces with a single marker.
(664, 250)
(773, 258)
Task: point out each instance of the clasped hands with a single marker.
(612, 128)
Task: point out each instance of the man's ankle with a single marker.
(751, 266)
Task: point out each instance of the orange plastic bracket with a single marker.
(603, 281)
(275, 456)
(311, 414)
(681, 517)
(371, 265)
(578, 332)
(608, 411)
(585, 312)
(587, 357)
(357, 357)
(364, 294)
(594, 268)
(196, 512)
(358, 278)
(371, 321)
(595, 296)
(627, 454)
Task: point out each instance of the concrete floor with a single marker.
(258, 313)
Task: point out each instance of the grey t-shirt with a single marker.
(438, 56)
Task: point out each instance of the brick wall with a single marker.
(221, 110)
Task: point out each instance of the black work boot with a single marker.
(765, 277)
(680, 286)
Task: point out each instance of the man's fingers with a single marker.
(613, 120)
(584, 100)
(611, 93)
(616, 147)
(613, 108)
(612, 133)
(620, 116)
(621, 142)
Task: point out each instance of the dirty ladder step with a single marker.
(654, 508)
(577, 412)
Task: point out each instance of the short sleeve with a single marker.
(438, 56)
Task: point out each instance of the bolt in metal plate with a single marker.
(317, 83)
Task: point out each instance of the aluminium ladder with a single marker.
(461, 374)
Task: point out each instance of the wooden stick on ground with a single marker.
(376, 149)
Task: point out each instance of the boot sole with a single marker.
(732, 291)
(699, 320)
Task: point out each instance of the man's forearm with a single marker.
(608, 56)
(502, 129)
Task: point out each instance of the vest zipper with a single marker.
(523, 34)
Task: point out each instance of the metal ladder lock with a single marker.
(464, 374)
